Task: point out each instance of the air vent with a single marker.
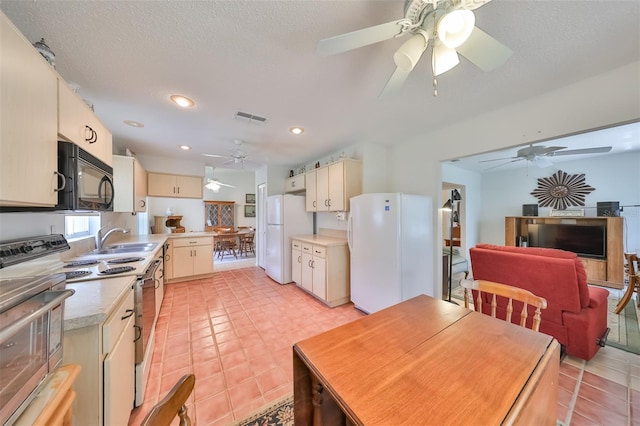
(250, 118)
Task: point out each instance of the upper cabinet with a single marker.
(330, 187)
(295, 183)
(130, 184)
(175, 186)
(28, 113)
(78, 124)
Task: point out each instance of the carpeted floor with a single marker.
(279, 413)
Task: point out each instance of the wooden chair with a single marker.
(227, 244)
(172, 405)
(511, 293)
(634, 281)
(247, 244)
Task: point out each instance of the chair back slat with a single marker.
(511, 293)
(172, 405)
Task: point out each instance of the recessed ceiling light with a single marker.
(296, 130)
(182, 101)
(133, 123)
(185, 147)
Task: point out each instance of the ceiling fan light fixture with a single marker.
(212, 185)
(455, 27)
(297, 130)
(184, 147)
(443, 59)
(408, 55)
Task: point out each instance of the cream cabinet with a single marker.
(130, 185)
(191, 257)
(168, 260)
(295, 183)
(77, 123)
(28, 133)
(176, 186)
(296, 262)
(119, 364)
(334, 185)
(106, 353)
(322, 270)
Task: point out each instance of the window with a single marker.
(80, 226)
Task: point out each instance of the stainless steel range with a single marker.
(31, 323)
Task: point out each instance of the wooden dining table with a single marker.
(238, 233)
(426, 361)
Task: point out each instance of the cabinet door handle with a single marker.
(299, 259)
(138, 333)
(167, 257)
(178, 190)
(314, 203)
(93, 136)
(293, 183)
(174, 189)
(64, 181)
(129, 313)
(326, 202)
(143, 203)
(309, 263)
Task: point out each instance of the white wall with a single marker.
(609, 98)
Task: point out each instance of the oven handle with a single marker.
(50, 300)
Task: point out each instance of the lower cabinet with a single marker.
(106, 353)
(322, 271)
(191, 256)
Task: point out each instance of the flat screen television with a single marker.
(584, 240)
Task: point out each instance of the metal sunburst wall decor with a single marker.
(562, 190)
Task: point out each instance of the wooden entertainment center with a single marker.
(607, 272)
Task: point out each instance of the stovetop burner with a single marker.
(125, 260)
(117, 270)
(76, 274)
(81, 263)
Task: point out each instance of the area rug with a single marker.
(625, 333)
(279, 413)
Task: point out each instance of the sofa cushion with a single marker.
(581, 273)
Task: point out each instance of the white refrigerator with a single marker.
(391, 242)
(286, 216)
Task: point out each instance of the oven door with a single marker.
(94, 186)
(25, 348)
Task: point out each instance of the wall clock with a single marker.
(562, 190)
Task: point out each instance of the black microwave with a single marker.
(88, 180)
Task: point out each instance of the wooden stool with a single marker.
(52, 403)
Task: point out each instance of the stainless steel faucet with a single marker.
(100, 239)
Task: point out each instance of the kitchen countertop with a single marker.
(322, 240)
(94, 300)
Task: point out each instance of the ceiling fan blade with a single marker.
(473, 4)
(549, 150)
(598, 150)
(504, 164)
(364, 37)
(484, 51)
(395, 83)
(227, 185)
(499, 159)
(215, 156)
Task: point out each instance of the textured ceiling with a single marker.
(260, 57)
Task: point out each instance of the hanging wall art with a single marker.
(562, 190)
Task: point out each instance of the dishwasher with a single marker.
(145, 302)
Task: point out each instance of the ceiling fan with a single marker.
(213, 184)
(448, 25)
(236, 157)
(539, 155)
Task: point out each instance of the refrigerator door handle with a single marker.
(350, 233)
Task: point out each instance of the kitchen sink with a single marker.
(126, 248)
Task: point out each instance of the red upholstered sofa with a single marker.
(576, 314)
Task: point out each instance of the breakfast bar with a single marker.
(426, 361)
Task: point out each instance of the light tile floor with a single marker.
(235, 332)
